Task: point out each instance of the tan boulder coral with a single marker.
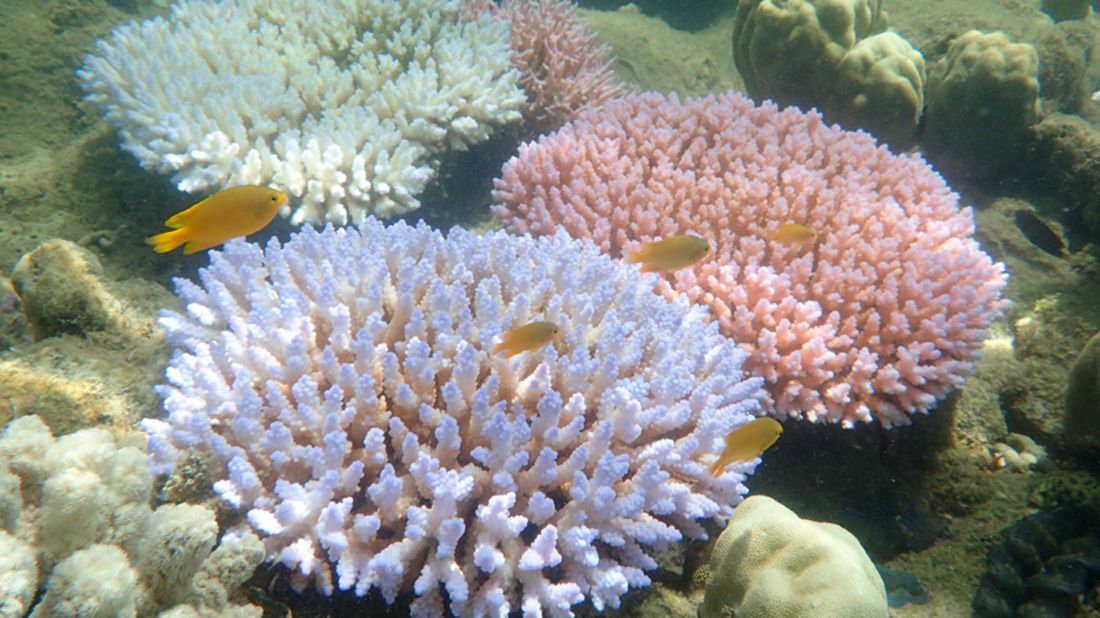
(97, 350)
(96, 582)
(77, 522)
(63, 400)
(880, 87)
(18, 576)
(61, 287)
(769, 562)
(1065, 155)
(781, 47)
(834, 55)
(1082, 414)
(982, 97)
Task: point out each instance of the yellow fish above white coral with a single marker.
(747, 442)
(237, 211)
(526, 338)
(669, 254)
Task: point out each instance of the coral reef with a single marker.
(1045, 566)
(1081, 422)
(1018, 453)
(61, 290)
(1065, 152)
(1066, 66)
(833, 55)
(879, 87)
(345, 106)
(96, 348)
(18, 573)
(96, 344)
(75, 519)
(878, 318)
(345, 383)
(983, 95)
(770, 562)
(562, 67)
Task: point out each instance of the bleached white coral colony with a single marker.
(343, 103)
(346, 381)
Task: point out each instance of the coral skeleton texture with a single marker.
(344, 104)
(345, 382)
(563, 68)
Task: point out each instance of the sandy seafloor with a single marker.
(63, 176)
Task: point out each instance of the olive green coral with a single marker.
(982, 97)
(835, 55)
(1082, 416)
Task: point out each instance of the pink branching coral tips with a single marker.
(881, 319)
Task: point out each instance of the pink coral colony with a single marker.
(879, 317)
(562, 67)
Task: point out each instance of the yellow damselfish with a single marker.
(237, 211)
(526, 338)
(669, 254)
(793, 234)
(747, 442)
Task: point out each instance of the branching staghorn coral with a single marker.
(345, 105)
(345, 381)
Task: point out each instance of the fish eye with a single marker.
(274, 198)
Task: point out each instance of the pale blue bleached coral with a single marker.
(345, 380)
(345, 104)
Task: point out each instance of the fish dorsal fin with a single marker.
(179, 219)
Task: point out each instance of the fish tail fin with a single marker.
(634, 257)
(166, 241)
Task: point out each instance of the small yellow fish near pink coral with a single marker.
(747, 442)
(792, 234)
(526, 338)
(669, 254)
(237, 211)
